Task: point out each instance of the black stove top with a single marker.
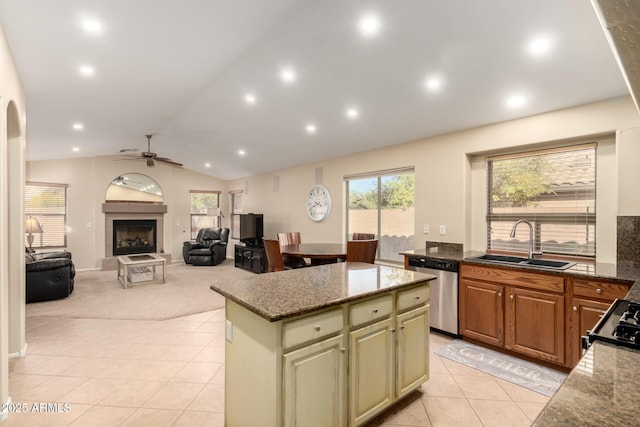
(619, 325)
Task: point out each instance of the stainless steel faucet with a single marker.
(513, 234)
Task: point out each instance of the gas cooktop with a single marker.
(619, 325)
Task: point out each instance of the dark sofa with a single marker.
(49, 276)
(209, 248)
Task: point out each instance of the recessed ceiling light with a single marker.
(352, 113)
(516, 101)
(92, 26)
(87, 70)
(207, 165)
(369, 25)
(250, 98)
(288, 75)
(311, 128)
(242, 152)
(539, 46)
(75, 149)
(78, 126)
(433, 83)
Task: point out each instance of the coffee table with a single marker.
(139, 261)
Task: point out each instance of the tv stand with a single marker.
(250, 258)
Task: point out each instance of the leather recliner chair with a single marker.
(210, 247)
(49, 276)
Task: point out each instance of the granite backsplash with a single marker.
(628, 244)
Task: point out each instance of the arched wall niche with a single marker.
(134, 188)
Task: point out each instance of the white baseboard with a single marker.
(5, 413)
(21, 353)
(89, 269)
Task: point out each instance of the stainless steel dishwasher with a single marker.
(443, 316)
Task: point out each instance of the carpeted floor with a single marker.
(526, 374)
(99, 294)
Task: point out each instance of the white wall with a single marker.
(447, 192)
(88, 179)
(12, 140)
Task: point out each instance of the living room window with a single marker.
(201, 202)
(382, 203)
(236, 210)
(553, 189)
(47, 203)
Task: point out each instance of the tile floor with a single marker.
(171, 373)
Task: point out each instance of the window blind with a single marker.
(201, 202)
(554, 189)
(48, 204)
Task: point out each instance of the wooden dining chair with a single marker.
(274, 256)
(362, 251)
(363, 236)
(291, 238)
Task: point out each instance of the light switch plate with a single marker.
(426, 229)
(229, 331)
(443, 230)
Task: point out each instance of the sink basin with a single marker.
(525, 262)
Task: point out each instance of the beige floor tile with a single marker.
(27, 363)
(456, 368)
(521, 394)
(211, 353)
(197, 372)
(55, 365)
(200, 419)
(218, 378)
(450, 412)
(54, 388)
(531, 409)
(210, 399)
(90, 367)
(21, 385)
(124, 369)
(152, 418)
(437, 340)
(443, 386)
(16, 419)
(181, 353)
(103, 416)
(499, 414)
(176, 396)
(132, 393)
(92, 391)
(436, 366)
(480, 388)
(50, 347)
(408, 412)
(159, 370)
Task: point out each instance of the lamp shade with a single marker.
(31, 225)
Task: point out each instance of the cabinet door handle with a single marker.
(401, 326)
(393, 330)
(417, 297)
(375, 310)
(575, 308)
(500, 294)
(317, 327)
(342, 349)
(599, 290)
(511, 297)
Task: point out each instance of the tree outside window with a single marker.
(201, 202)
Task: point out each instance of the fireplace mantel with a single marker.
(131, 211)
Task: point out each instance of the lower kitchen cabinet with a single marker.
(314, 384)
(413, 350)
(518, 311)
(482, 311)
(535, 324)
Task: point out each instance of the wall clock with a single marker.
(318, 203)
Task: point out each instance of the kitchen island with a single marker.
(327, 345)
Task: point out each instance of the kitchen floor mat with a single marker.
(526, 374)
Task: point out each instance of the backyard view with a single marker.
(383, 205)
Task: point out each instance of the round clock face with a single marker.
(318, 203)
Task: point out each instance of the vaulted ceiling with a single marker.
(206, 76)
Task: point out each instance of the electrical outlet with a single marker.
(426, 229)
(229, 331)
(443, 230)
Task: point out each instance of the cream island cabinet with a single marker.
(332, 345)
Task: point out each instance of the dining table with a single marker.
(317, 253)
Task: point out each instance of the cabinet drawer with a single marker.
(413, 297)
(514, 277)
(312, 328)
(600, 290)
(374, 309)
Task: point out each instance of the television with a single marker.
(251, 229)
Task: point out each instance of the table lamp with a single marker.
(31, 225)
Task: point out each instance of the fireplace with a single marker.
(134, 236)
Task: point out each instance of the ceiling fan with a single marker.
(151, 157)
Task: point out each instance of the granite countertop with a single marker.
(276, 296)
(602, 390)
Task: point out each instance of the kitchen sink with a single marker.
(525, 262)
